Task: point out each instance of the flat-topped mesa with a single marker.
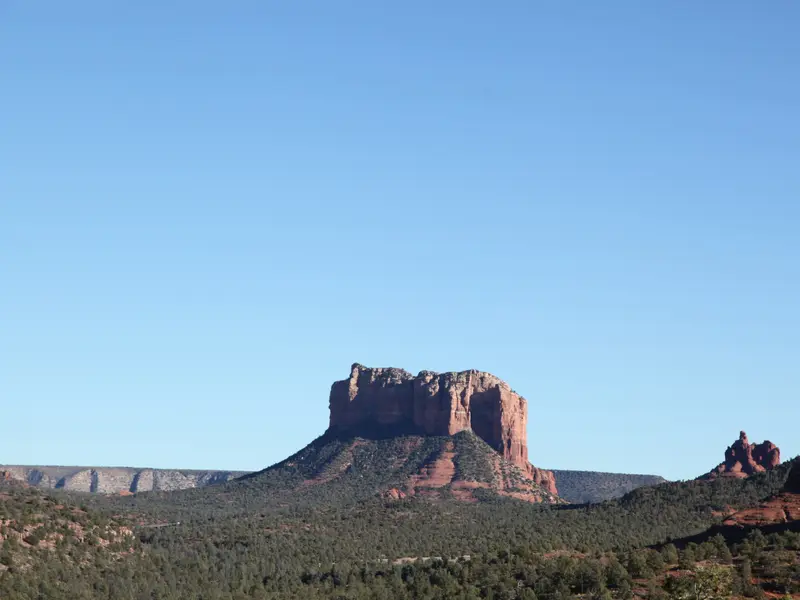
(386, 400)
(743, 458)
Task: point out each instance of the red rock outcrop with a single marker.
(387, 400)
(546, 479)
(743, 458)
(394, 494)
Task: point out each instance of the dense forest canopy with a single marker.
(240, 541)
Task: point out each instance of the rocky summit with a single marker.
(743, 459)
(389, 401)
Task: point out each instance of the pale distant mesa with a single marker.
(114, 480)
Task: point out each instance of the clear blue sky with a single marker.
(209, 210)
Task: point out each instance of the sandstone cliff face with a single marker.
(391, 400)
(743, 458)
(31, 476)
(84, 480)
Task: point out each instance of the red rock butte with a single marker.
(393, 401)
(743, 458)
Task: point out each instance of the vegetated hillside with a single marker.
(114, 480)
(381, 547)
(36, 529)
(581, 487)
(323, 504)
(573, 486)
(341, 471)
(778, 513)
